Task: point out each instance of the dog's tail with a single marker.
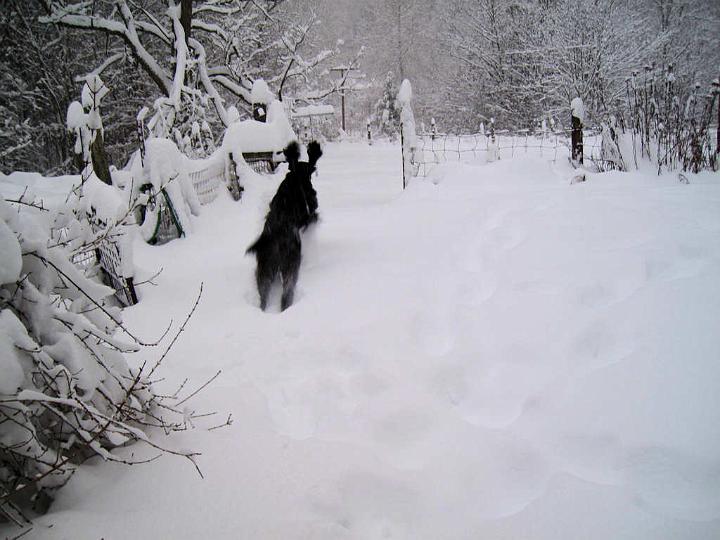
(255, 247)
(314, 153)
(292, 154)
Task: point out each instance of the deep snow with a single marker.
(493, 353)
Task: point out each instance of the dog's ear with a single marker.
(314, 152)
(292, 154)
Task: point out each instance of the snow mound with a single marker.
(578, 109)
(252, 136)
(261, 93)
(405, 93)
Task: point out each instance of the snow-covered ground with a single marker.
(493, 353)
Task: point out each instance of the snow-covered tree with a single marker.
(387, 112)
(521, 60)
(37, 65)
(218, 48)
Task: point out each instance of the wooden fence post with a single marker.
(577, 117)
(233, 182)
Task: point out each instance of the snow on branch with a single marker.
(74, 16)
(102, 67)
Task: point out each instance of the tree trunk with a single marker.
(99, 159)
(186, 17)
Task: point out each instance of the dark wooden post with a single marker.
(369, 134)
(576, 117)
(402, 150)
(233, 183)
(343, 70)
(260, 112)
(141, 140)
(433, 129)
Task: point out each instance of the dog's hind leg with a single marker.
(289, 280)
(264, 284)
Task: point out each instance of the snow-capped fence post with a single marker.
(260, 96)
(408, 137)
(433, 129)
(577, 117)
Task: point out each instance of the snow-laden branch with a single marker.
(67, 16)
(181, 55)
(102, 67)
(207, 83)
(226, 82)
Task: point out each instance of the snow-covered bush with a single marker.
(185, 123)
(66, 391)
(664, 124)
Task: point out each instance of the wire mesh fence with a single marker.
(107, 256)
(434, 149)
(110, 260)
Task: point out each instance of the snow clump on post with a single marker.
(407, 130)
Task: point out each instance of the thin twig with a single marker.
(200, 388)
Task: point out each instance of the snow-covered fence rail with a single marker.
(207, 181)
(436, 148)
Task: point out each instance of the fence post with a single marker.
(433, 128)
(408, 137)
(716, 94)
(233, 182)
(402, 150)
(577, 116)
(369, 133)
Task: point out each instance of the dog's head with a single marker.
(292, 155)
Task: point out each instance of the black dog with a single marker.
(292, 209)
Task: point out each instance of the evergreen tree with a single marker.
(387, 115)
